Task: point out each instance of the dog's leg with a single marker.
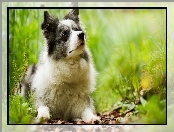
(25, 87)
(43, 113)
(88, 116)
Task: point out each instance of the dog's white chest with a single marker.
(53, 73)
(70, 71)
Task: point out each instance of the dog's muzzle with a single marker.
(81, 41)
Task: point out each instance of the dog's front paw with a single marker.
(93, 119)
(89, 117)
(43, 113)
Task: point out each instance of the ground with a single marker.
(123, 114)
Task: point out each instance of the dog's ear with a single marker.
(47, 16)
(49, 22)
(73, 13)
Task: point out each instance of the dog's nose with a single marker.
(81, 36)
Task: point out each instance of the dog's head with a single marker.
(64, 38)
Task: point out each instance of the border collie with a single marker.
(64, 77)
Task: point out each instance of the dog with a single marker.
(64, 77)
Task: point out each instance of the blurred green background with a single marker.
(128, 48)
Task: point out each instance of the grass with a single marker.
(129, 52)
(21, 111)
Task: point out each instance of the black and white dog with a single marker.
(65, 75)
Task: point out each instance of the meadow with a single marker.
(129, 53)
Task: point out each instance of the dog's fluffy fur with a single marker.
(65, 75)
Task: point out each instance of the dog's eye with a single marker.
(64, 33)
(75, 29)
